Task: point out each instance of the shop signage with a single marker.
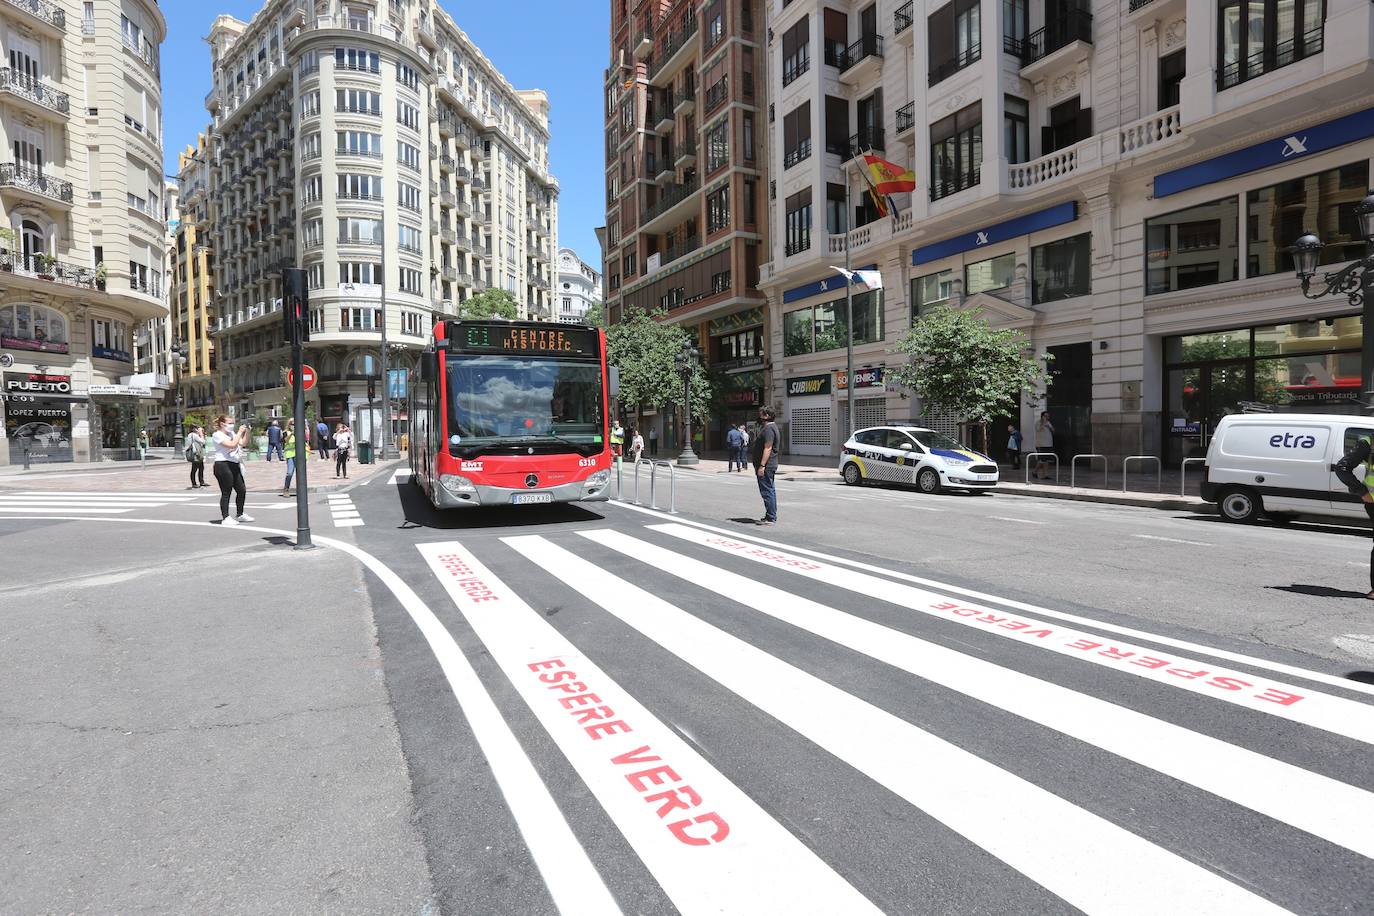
(737, 321)
(23, 343)
(827, 285)
(998, 232)
(803, 385)
(871, 377)
(129, 391)
(111, 353)
(37, 383)
(745, 362)
(43, 429)
(1273, 152)
(1297, 395)
(748, 397)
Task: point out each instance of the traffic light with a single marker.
(372, 389)
(295, 306)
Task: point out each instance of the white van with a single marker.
(1279, 465)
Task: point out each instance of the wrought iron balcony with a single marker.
(943, 70)
(35, 90)
(906, 117)
(13, 175)
(672, 196)
(800, 154)
(867, 46)
(902, 19)
(944, 187)
(867, 139)
(1076, 25)
(48, 13)
(46, 267)
(674, 43)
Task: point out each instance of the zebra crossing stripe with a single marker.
(104, 510)
(1088, 861)
(1337, 715)
(1309, 801)
(710, 847)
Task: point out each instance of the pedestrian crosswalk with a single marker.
(342, 511)
(1116, 776)
(39, 502)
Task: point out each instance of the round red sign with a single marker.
(307, 377)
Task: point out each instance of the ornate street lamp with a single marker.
(686, 360)
(179, 350)
(1355, 281)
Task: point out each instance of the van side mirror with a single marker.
(429, 365)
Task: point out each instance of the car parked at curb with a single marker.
(914, 455)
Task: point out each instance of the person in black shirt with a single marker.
(764, 451)
(1359, 454)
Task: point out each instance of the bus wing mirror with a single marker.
(615, 381)
(429, 365)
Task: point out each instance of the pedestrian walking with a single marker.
(744, 445)
(617, 439)
(343, 441)
(1361, 453)
(227, 457)
(274, 441)
(653, 441)
(195, 454)
(1044, 442)
(636, 445)
(289, 443)
(765, 457)
(1013, 446)
(322, 430)
(734, 444)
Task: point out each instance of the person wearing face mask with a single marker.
(227, 456)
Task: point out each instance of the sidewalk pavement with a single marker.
(1141, 490)
(167, 475)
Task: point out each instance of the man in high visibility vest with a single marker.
(1361, 453)
(617, 439)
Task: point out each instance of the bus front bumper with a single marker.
(475, 495)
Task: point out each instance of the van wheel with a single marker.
(928, 480)
(852, 475)
(1238, 504)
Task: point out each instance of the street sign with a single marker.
(307, 377)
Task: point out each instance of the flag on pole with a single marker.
(879, 203)
(888, 177)
(870, 278)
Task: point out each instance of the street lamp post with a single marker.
(686, 360)
(1355, 281)
(179, 351)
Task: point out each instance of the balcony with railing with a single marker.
(49, 16)
(668, 198)
(34, 183)
(676, 50)
(681, 249)
(941, 70)
(956, 181)
(906, 117)
(35, 92)
(868, 139)
(800, 153)
(1129, 141)
(141, 48)
(46, 267)
(686, 154)
(861, 60)
(717, 93)
(1075, 27)
(1270, 58)
(902, 19)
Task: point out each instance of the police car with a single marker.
(914, 455)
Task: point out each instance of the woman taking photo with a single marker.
(195, 453)
(343, 441)
(227, 456)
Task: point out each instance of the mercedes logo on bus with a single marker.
(531, 480)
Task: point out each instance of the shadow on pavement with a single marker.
(1316, 591)
(1288, 525)
(420, 514)
(1364, 677)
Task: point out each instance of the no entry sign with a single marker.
(307, 377)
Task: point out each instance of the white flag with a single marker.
(870, 278)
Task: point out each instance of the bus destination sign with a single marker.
(550, 341)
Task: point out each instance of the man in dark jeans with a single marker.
(764, 449)
(1359, 454)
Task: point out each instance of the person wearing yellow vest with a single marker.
(1361, 453)
(617, 439)
(288, 449)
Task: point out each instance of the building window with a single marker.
(1015, 17)
(751, 193)
(798, 221)
(359, 318)
(357, 59)
(360, 231)
(413, 324)
(409, 196)
(720, 282)
(410, 280)
(1060, 270)
(312, 233)
(835, 221)
(406, 76)
(930, 291)
(715, 23)
(358, 101)
(796, 135)
(314, 276)
(796, 332)
(718, 210)
(364, 272)
(748, 131)
(34, 324)
(628, 264)
(718, 145)
(1277, 215)
(836, 125)
(408, 155)
(1192, 247)
(310, 104)
(1257, 36)
(1069, 124)
(357, 143)
(796, 50)
(956, 151)
(1171, 72)
(1016, 129)
(359, 187)
(407, 115)
(955, 41)
(993, 273)
(408, 238)
(312, 189)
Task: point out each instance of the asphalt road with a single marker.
(888, 702)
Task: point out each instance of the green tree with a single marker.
(596, 315)
(961, 365)
(491, 303)
(646, 349)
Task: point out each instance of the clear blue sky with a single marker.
(537, 44)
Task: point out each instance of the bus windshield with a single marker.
(505, 403)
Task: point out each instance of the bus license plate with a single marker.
(522, 499)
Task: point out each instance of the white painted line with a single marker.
(1023, 521)
(77, 501)
(1088, 861)
(572, 880)
(347, 522)
(400, 477)
(1156, 537)
(75, 508)
(366, 482)
(1254, 661)
(345, 513)
(105, 494)
(1309, 801)
(1338, 715)
(339, 498)
(708, 844)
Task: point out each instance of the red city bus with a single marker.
(511, 413)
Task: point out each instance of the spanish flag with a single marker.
(889, 178)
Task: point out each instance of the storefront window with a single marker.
(930, 291)
(1193, 247)
(1196, 348)
(994, 273)
(1059, 270)
(1324, 203)
(33, 327)
(829, 326)
(796, 332)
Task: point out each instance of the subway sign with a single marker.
(803, 385)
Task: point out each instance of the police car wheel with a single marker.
(928, 480)
(1238, 504)
(852, 475)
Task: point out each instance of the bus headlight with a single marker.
(596, 481)
(455, 484)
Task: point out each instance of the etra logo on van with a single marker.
(1293, 440)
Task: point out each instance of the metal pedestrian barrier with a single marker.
(1026, 460)
(1183, 473)
(1073, 467)
(638, 462)
(1159, 470)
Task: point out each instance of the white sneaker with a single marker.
(228, 521)
(244, 518)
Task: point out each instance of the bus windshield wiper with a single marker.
(553, 437)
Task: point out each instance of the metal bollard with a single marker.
(1073, 468)
(1159, 474)
(1183, 474)
(672, 487)
(638, 462)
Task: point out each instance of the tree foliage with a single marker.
(596, 315)
(961, 365)
(491, 303)
(645, 349)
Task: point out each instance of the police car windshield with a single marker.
(931, 439)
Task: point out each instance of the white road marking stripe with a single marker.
(366, 482)
(1046, 838)
(171, 497)
(346, 513)
(347, 522)
(1240, 657)
(104, 509)
(1024, 521)
(400, 477)
(1309, 801)
(710, 846)
(1157, 537)
(77, 501)
(1318, 710)
(339, 498)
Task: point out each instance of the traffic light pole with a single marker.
(297, 316)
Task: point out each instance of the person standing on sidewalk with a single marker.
(1361, 453)
(734, 444)
(343, 441)
(1044, 442)
(289, 456)
(227, 457)
(636, 445)
(195, 454)
(322, 430)
(653, 441)
(743, 445)
(617, 439)
(1014, 446)
(274, 440)
(765, 455)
